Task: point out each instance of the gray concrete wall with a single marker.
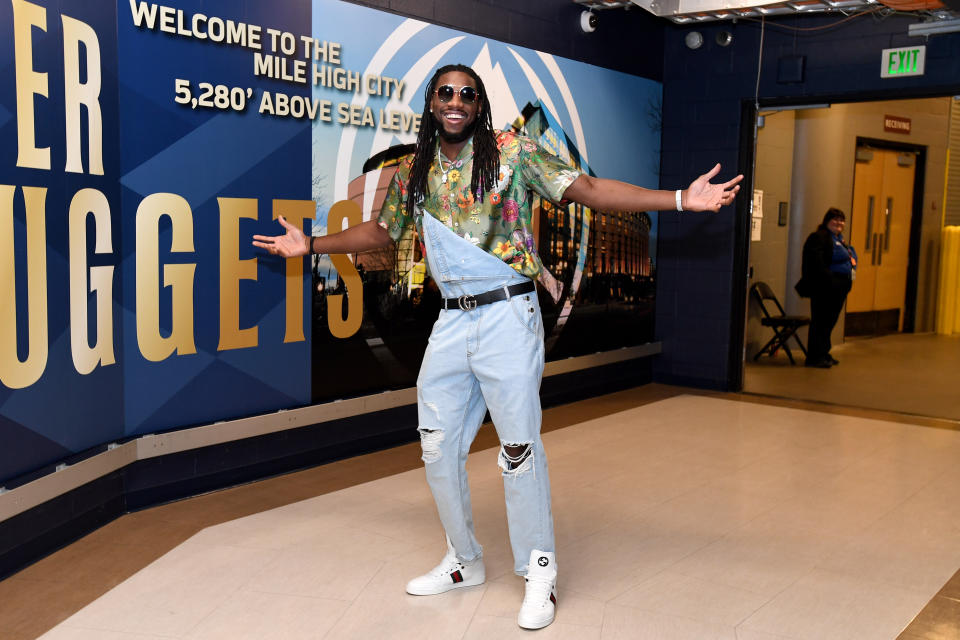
(769, 255)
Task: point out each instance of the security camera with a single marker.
(588, 21)
(724, 38)
(693, 39)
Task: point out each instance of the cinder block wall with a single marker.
(701, 268)
(629, 41)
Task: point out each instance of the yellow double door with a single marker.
(879, 230)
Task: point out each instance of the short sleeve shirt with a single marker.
(501, 223)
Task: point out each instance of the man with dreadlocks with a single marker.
(466, 190)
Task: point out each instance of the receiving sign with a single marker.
(905, 61)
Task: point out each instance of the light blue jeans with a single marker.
(487, 358)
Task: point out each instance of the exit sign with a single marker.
(905, 61)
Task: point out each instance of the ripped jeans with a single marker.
(487, 358)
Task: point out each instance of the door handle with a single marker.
(869, 222)
(873, 255)
(880, 250)
(886, 234)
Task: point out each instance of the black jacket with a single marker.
(816, 277)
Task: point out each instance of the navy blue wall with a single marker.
(701, 267)
(629, 41)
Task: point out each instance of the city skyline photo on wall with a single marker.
(143, 144)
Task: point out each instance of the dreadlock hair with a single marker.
(486, 156)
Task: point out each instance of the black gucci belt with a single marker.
(468, 303)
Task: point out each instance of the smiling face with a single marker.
(836, 225)
(456, 119)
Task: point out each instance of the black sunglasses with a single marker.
(468, 94)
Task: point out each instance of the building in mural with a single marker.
(602, 259)
(614, 263)
(574, 242)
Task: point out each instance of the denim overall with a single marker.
(486, 358)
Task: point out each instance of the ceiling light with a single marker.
(795, 107)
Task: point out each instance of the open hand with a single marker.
(702, 195)
(290, 245)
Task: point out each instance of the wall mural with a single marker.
(143, 144)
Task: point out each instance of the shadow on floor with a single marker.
(907, 373)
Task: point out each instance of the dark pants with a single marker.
(825, 306)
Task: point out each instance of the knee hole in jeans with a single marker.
(515, 459)
(430, 440)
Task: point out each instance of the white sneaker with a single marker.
(451, 573)
(540, 598)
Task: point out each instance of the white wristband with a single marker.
(677, 196)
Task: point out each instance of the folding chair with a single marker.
(783, 326)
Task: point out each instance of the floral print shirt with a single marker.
(500, 223)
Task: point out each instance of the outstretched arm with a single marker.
(612, 195)
(363, 237)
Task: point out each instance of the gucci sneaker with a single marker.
(451, 573)
(540, 598)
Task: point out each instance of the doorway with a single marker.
(885, 194)
(811, 158)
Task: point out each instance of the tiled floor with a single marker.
(678, 516)
(913, 373)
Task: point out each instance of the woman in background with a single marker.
(829, 265)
